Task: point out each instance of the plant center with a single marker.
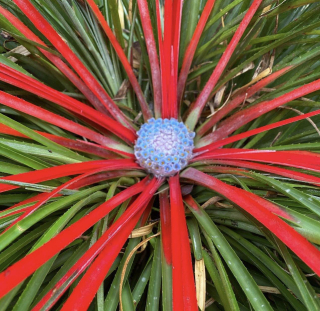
(164, 146)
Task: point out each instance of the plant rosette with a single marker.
(159, 152)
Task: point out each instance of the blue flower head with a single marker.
(164, 146)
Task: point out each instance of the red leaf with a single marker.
(165, 56)
(67, 170)
(153, 55)
(78, 145)
(161, 55)
(87, 181)
(29, 84)
(254, 205)
(188, 56)
(64, 283)
(267, 204)
(48, 31)
(195, 110)
(270, 169)
(52, 118)
(83, 146)
(19, 271)
(311, 161)
(31, 209)
(243, 117)
(127, 67)
(113, 239)
(258, 130)
(236, 101)
(183, 286)
(34, 199)
(55, 60)
(170, 57)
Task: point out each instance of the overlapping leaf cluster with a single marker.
(259, 110)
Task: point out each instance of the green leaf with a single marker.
(309, 297)
(190, 13)
(112, 299)
(308, 201)
(195, 238)
(220, 277)
(15, 231)
(153, 298)
(142, 282)
(247, 283)
(40, 139)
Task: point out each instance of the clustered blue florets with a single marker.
(164, 146)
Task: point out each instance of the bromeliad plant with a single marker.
(131, 130)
